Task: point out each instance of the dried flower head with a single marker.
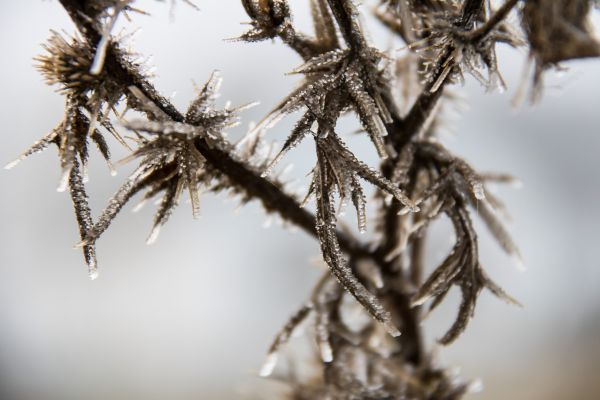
(558, 30)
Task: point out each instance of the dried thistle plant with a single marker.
(418, 181)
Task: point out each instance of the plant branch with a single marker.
(271, 196)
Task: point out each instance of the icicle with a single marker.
(359, 204)
(194, 198)
(93, 271)
(435, 87)
(153, 235)
(342, 207)
(269, 365)
(383, 110)
(13, 163)
(326, 351)
(64, 181)
(377, 138)
(102, 46)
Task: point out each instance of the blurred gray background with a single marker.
(191, 316)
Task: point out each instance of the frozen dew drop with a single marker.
(195, 203)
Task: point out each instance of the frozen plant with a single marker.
(396, 100)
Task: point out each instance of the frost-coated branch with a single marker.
(271, 195)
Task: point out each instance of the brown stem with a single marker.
(398, 301)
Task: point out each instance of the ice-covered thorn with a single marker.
(247, 106)
(93, 269)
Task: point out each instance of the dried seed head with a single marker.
(67, 63)
(559, 30)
